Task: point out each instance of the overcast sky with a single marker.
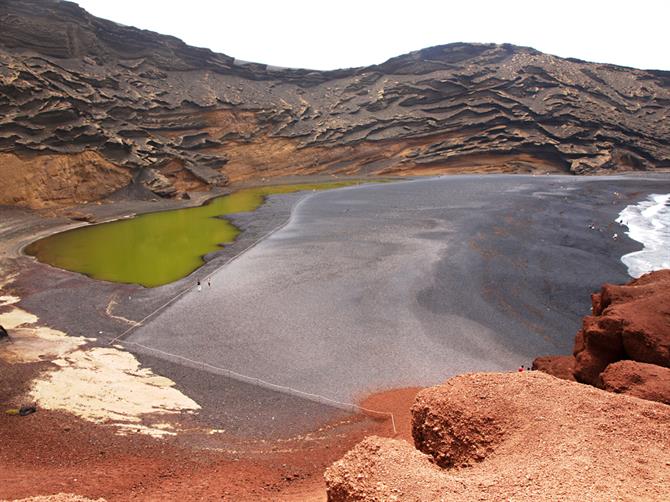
(345, 33)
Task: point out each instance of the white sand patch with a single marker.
(103, 385)
(106, 385)
(59, 497)
(156, 430)
(17, 317)
(4, 281)
(8, 300)
(30, 345)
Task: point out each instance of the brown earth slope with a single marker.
(518, 436)
(175, 117)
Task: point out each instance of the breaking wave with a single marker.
(648, 222)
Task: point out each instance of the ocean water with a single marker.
(648, 222)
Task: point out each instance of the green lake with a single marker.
(156, 248)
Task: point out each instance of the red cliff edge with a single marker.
(624, 346)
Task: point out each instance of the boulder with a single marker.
(629, 322)
(597, 344)
(642, 309)
(643, 380)
(558, 366)
(3, 334)
(456, 425)
(158, 183)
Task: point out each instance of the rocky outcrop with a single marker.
(515, 436)
(455, 433)
(558, 366)
(631, 324)
(646, 381)
(72, 83)
(38, 180)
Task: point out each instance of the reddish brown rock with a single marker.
(534, 437)
(628, 322)
(559, 366)
(646, 381)
(596, 345)
(640, 312)
(456, 426)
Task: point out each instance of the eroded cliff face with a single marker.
(624, 346)
(187, 117)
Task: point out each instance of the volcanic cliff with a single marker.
(88, 106)
(624, 345)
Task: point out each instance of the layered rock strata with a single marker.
(624, 346)
(71, 83)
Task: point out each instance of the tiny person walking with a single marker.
(209, 283)
(199, 286)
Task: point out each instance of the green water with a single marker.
(156, 248)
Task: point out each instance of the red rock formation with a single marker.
(646, 381)
(559, 366)
(518, 436)
(628, 322)
(461, 434)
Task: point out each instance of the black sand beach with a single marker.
(368, 288)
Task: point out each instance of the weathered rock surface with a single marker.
(629, 323)
(536, 438)
(558, 366)
(71, 83)
(457, 428)
(646, 381)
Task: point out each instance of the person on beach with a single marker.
(209, 283)
(199, 286)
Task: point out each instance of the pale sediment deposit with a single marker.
(100, 384)
(107, 385)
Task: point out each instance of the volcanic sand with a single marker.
(406, 284)
(516, 217)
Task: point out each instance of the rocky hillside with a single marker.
(88, 106)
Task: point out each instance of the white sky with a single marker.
(345, 33)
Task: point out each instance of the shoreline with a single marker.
(541, 321)
(40, 291)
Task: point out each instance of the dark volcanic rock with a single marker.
(71, 82)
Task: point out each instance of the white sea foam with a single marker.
(648, 222)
